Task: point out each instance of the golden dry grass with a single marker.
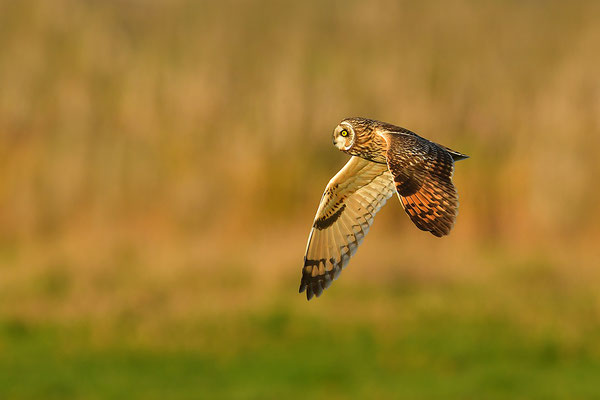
(176, 135)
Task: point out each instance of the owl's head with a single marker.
(344, 136)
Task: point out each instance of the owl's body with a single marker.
(386, 159)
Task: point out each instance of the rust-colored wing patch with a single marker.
(432, 208)
(423, 177)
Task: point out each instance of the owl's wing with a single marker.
(423, 176)
(345, 214)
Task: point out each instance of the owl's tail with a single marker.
(456, 156)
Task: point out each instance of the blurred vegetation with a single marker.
(161, 163)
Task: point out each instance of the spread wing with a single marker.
(423, 176)
(345, 214)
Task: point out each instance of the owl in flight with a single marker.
(386, 159)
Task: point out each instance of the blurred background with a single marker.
(161, 163)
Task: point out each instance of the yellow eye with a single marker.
(344, 133)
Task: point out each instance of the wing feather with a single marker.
(345, 214)
(423, 176)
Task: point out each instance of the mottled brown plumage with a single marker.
(385, 159)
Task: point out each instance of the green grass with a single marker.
(285, 355)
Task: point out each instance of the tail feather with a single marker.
(456, 156)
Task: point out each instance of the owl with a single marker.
(386, 159)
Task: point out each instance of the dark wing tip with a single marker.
(437, 228)
(315, 285)
(313, 288)
(309, 291)
(302, 287)
(440, 231)
(309, 294)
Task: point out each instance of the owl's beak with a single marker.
(338, 142)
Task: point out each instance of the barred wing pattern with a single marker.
(351, 200)
(423, 175)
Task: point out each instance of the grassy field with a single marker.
(296, 357)
(524, 327)
(161, 163)
(418, 340)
